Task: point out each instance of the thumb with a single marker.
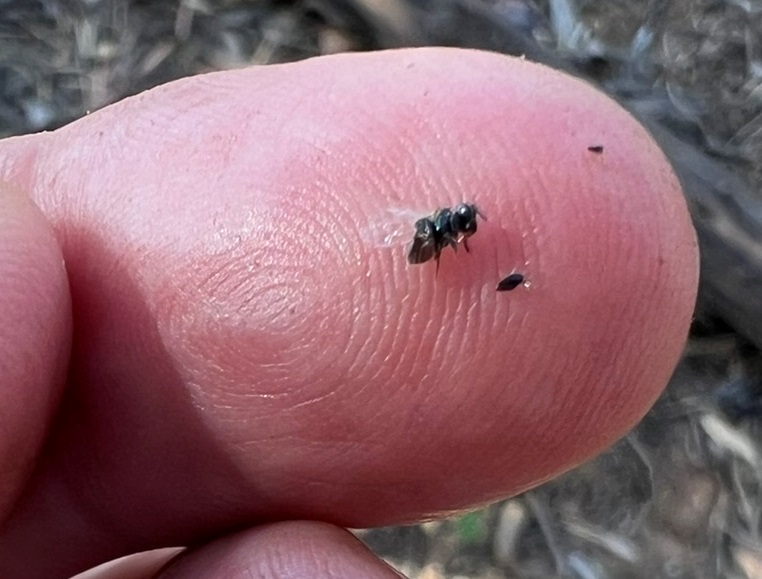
(252, 344)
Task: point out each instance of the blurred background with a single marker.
(681, 496)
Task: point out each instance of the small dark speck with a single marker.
(595, 149)
(510, 283)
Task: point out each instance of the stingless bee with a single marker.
(446, 227)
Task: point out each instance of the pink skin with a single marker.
(250, 343)
(290, 550)
(34, 337)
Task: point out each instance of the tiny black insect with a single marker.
(510, 283)
(595, 148)
(446, 227)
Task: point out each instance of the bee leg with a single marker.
(437, 255)
(465, 244)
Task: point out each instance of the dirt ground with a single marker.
(681, 496)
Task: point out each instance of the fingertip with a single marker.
(257, 320)
(448, 369)
(296, 549)
(145, 565)
(294, 291)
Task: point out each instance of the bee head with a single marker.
(463, 219)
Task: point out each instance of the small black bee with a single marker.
(447, 227)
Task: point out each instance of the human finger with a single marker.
(294, 549)
(34, 337)
(249, 328)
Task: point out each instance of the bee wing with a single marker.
(422, 250)
(424, 245)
